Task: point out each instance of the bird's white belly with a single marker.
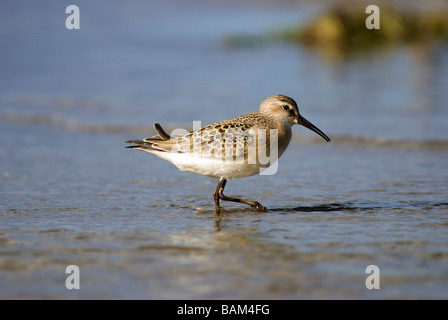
(211, 167)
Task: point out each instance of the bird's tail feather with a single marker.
(162, 134)
(148, 144)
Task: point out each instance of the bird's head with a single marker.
(284, 109)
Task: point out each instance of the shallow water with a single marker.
(71, 194)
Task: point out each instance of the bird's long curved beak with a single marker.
(302, 121)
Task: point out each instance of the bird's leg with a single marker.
(219, 195)
(216, 194)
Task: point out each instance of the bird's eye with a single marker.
(285, 107)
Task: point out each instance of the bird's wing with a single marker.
(229, 139)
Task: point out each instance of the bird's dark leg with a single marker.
(218, 195)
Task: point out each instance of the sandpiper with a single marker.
(234, 148)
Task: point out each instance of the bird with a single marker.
(235, 148)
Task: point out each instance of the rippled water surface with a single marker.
(71, 194)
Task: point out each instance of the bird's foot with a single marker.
(257, 206)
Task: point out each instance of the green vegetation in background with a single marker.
(343, 28)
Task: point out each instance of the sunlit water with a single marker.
(71, 194)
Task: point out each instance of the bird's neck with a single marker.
(284, 137)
